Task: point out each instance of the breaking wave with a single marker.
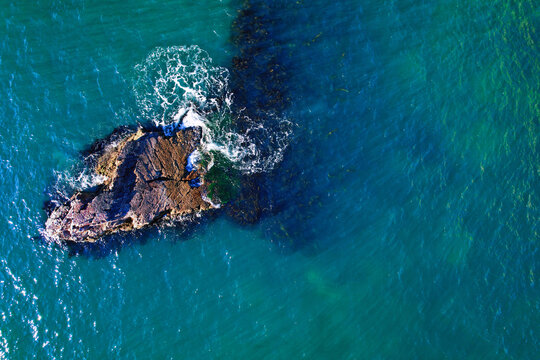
(180, 87)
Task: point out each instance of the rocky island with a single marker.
(147, 176)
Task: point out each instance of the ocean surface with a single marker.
(405, 188)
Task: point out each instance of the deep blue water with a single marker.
(404, 213)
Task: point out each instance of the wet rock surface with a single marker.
(145, 181)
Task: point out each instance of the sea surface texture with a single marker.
(396, 142)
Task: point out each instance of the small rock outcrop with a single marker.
(147, 179)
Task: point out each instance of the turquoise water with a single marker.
(405, 220)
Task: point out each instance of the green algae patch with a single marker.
(222, 178)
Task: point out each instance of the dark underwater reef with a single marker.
(259, 84)
(259, 75)
(261, 81)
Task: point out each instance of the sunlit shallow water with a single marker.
(406, 220)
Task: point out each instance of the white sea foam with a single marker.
(193, 160)
(179, 77)
(208, 200)
(84, 179)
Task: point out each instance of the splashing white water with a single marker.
(179, 87)
(178, 77)
(84, 179)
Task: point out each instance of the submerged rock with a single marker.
(146, 179)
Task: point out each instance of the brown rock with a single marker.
(146, 180)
